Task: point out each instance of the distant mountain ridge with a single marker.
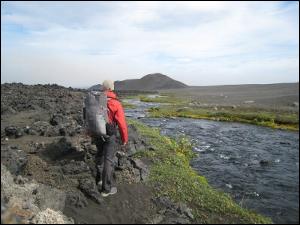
(150, 82)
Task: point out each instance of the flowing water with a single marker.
(257, 166)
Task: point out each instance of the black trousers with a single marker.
(105, 166)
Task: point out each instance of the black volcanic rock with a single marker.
(96, 87)
(11, 131)
(150, 82)
(17, 97)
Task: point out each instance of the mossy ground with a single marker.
(282, 120)
(127, 105)
(259, 116)
(173, 176)
(162, 99)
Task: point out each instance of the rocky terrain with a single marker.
(150, 82)
(48, 168)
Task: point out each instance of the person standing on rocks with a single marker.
(107, 146)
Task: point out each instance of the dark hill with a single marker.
(150, 82)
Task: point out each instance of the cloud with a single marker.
(219, 40)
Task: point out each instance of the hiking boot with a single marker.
(112, 191)
(99, 185)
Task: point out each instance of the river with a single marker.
(257, 166)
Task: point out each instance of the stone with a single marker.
(11, 131)
(142, 167)
(62, 131)
(136, 175)
(264, 162)
(123, 162)
(32, 132)
(19, 133)
(92, 149)
(41, 127)
(26, 129)
(144, 175)
(131, 149)
(164, 202)
(137, 163)
(183, 209)
(57, 119)
(76, 199)
(49, 216)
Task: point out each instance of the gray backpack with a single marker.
(95, 113)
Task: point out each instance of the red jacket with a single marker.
(116, 114)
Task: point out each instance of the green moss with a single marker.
(177, 180)
(127, 105)
(130, 97)
(271, 119)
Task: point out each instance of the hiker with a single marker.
(107, 145)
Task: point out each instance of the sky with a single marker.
(80, 44)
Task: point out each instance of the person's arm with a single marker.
(120, 119)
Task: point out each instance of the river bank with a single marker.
(248, 162)
(187, 108)
(178, 181)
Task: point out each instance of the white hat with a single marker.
(108, 84)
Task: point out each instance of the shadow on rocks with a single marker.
(64, 148)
